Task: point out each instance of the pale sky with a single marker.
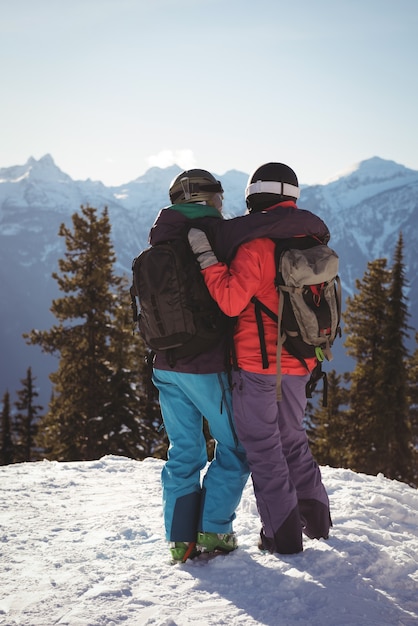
(112, 87)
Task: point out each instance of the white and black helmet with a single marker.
(196, 186)
(269, 184)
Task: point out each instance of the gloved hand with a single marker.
(201, 247)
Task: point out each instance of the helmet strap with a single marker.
(186, 188)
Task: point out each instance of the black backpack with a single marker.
(309, 305)
(176, 312)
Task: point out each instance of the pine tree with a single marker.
(25, 421)
(396, 436)
(133, 417)
(6, 444)
(413, 407)
(365, 319)
(74, 428)
(378, 429)
(327, 426)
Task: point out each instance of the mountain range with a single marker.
(365, 208)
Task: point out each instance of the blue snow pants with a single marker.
(285, 476)
(190, 504)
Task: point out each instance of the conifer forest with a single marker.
(103, 401)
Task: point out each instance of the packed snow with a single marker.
(82, 544)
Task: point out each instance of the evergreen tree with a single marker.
(327, 426)
(378, 428)
(365, 319)
(25, 421)
(133, 417)
(396, 436)
(413, 407)
(6, 444)
(74, 427)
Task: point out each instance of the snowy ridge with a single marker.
(368, 179)
(373, 169)
(83, 543)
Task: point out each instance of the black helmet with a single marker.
(196, 186)
(271, 183)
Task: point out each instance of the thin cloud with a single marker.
(165, 158)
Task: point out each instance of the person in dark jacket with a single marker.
(199, 515)
(287, 481)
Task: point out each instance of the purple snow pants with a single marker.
(287, 481)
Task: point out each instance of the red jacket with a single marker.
(252, 273)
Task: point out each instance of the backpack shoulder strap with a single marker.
(260, 308)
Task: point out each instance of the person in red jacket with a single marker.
(290, 495)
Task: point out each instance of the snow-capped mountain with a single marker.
(365, 208)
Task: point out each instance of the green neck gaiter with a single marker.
(192, 211)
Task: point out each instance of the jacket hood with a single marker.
(174, 222)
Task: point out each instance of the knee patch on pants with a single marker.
(185, 518)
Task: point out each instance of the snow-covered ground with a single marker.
(82, 544)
